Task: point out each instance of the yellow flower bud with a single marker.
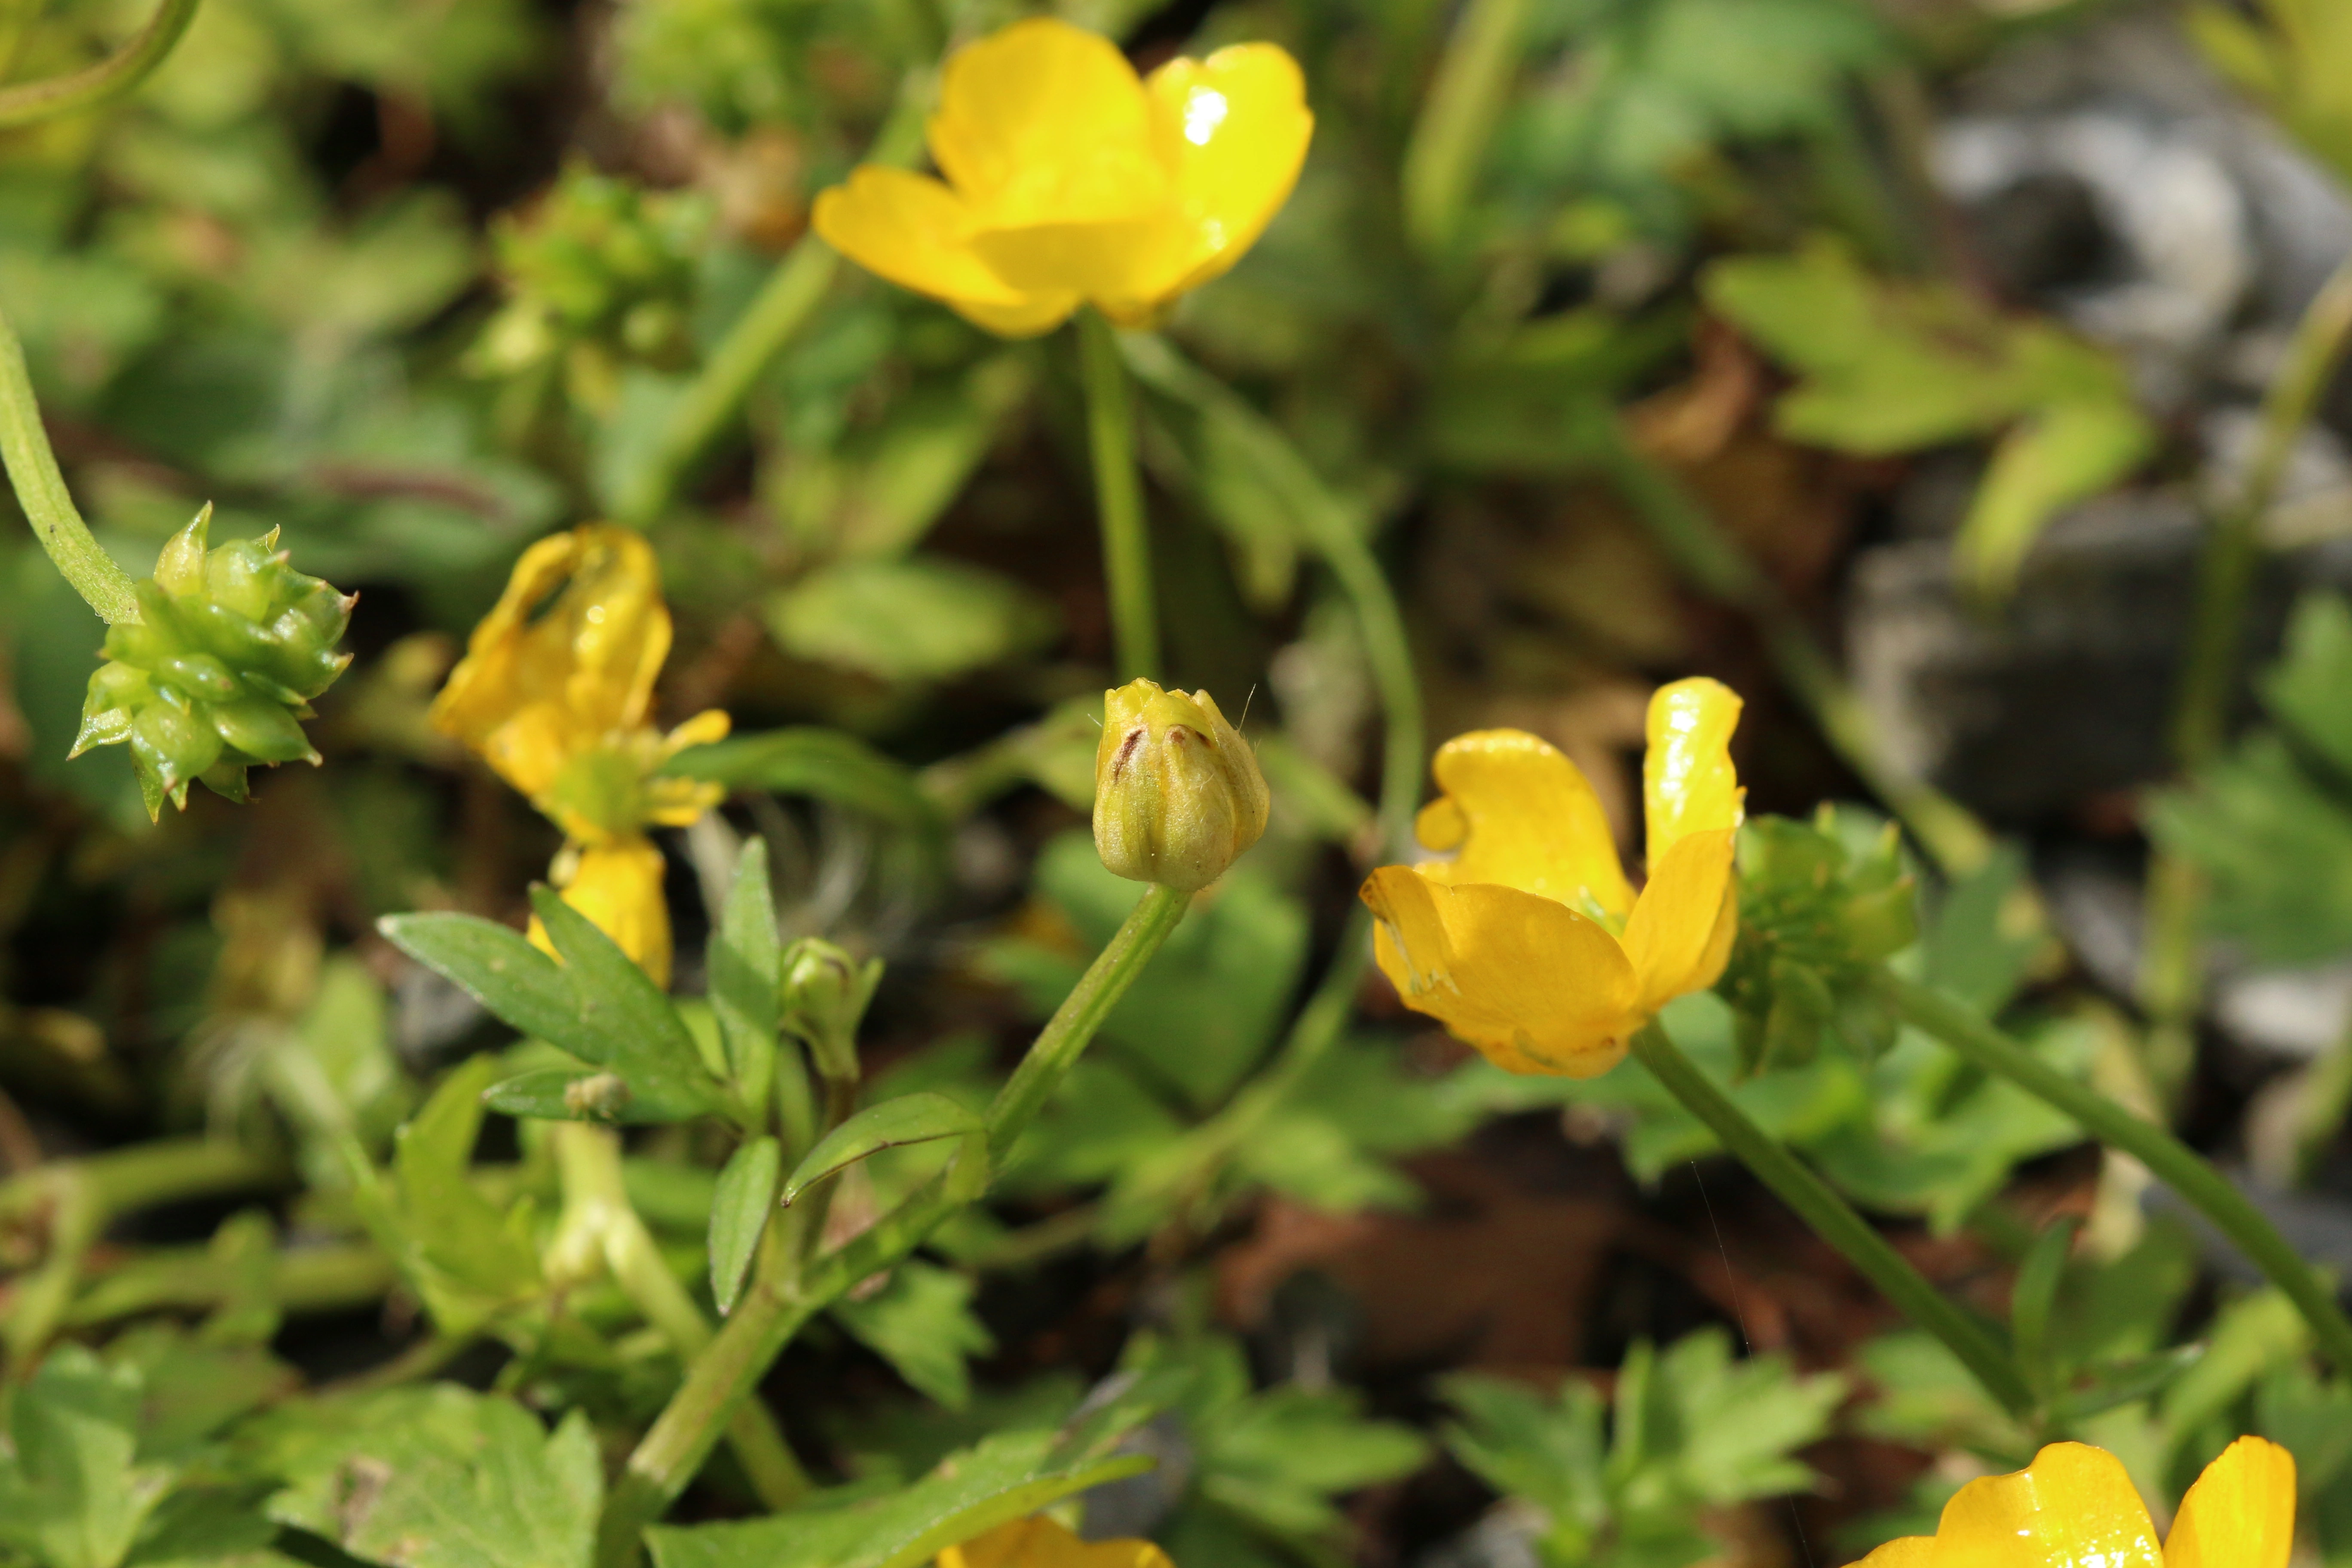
(1178, 795)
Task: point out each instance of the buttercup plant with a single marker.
(1069, 179)
(2075, 1505)
(553, 694)
(1529, 943)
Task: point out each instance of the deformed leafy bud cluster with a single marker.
(1821, 905)
(217, 674)
(599, 274)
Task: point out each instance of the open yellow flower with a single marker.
(1069, 179)
(1529, 944)
(1038, 1542)
(2075, 1508)
(553, 693)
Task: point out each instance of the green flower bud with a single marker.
(826, 993)
(217, 673)
(1178, 795)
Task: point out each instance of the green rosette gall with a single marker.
(218, 671)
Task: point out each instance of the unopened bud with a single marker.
(1178, 795)
(826, 993)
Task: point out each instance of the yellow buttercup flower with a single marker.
(2075, 1506)
(1529, 943)
(1070, 181)
(553, 693)
(1038, 1542)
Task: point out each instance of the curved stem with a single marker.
(785, 304)
(1332, 528)
(41, 492)
(2172, 1161)
(596, 1201)
(1118, 500)
(1834, 1221)
(32, 101)
(780, 1301)
(1457, 119)
(2170, 982)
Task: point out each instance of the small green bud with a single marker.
(217, 673)
(1178, 793)
(825, 994)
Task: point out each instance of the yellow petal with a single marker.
(565, 659)
(1233, 127)
(1038, 1542)
(1044, 124)
(1679, 937)
(1527, 820)
(619, 887)
(1533, 984)
(915, 232)
(1903, 1551)
(1687, 782)
(2073, 1507)
(2241, 1513)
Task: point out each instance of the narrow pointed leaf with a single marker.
(739, 1213)
(919, 1118)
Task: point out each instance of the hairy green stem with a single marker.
(32, 101)
(783, 306)
(786, 1294)
(1118, 500)
(1441, 162)
(1717, 567)
(1834, 1221)
(2172, 1161)
(2170, 981)
(41, 492)
(596, 1204)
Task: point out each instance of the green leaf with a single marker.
(497, 966)
(455, 1246)
(738, 1213)
(1006, 1476)
(921, 1322)
(481, 1485)
(920, 1118)
(71, 1494)
(925, 619)
(746, 976)
(1893, 367)
(2035, 1297)
(828, 764)
(648, 1045)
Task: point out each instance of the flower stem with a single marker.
(2171, 984)
(2172, 1161)
(1118, 500)
(1718, 568)
(785, 1295)
(590, 1160)
(1834, 1221)
(785, 305)
(41, 492)
(32, 101)
(1457, 119)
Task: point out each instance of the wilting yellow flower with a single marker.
(1178, 793)
(1070, 181)
(1038, 1542)
(553, 693)
(2075, 1508)
(1529, 943)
